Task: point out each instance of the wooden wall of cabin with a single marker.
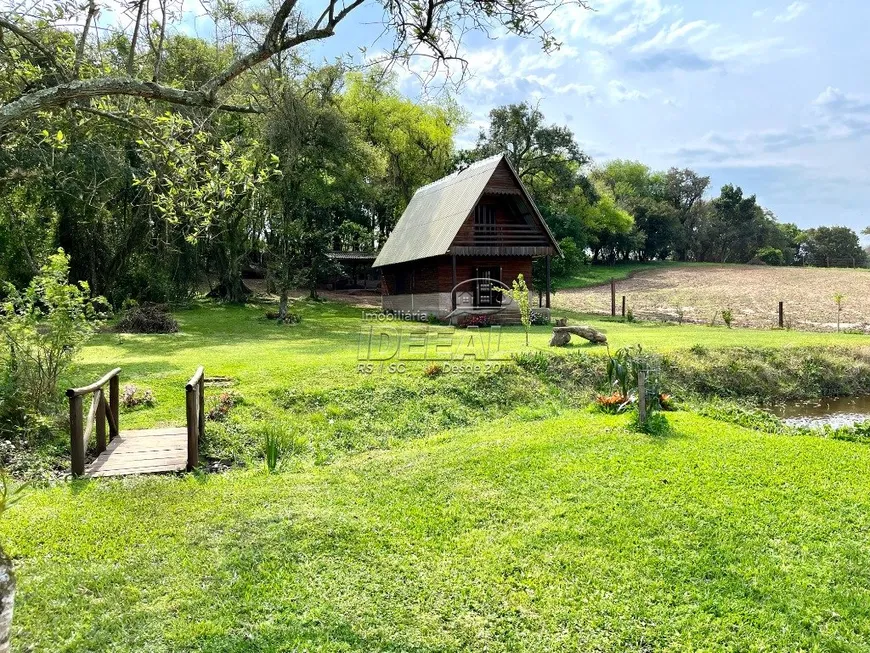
(511, 267)
(436, 274)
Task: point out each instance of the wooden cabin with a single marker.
(458, 239)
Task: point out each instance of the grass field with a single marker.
(459, 512)
(565, 534)
(751, 292)
(596, 275)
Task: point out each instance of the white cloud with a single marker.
(620, 93)
(836, 117)
(745, 49)
(613, 22)
(793, 11)
(691, 32)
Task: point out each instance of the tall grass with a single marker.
(273, 448)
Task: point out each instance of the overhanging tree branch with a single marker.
(431, 28)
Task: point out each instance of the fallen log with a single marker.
(562, 335)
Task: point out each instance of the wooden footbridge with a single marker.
(140, 451)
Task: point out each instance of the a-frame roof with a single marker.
(437, 212)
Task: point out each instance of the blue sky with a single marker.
(772, 96)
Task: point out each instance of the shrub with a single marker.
(147, 318)
(289, 317)
(130, 399)
(727, 317)
(770, 255)
(539, 318)
(226, 401)
(536, 361)
(480, 320)
(629, 315)
(44, 327)
(433, 369)
(655, 424)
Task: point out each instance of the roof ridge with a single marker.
(453, 175)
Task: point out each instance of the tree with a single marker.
(519, 293)
(413, 139)
(640, 192)
(735, 228)
(213, 190)
(833, 247)
(683, 190)
(546, 157)
(57, 74)
(328, 173)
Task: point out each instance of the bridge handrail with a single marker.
(99, 413)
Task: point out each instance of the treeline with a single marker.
(155, 201)
(624, 210)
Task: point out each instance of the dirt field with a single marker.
(751, 292)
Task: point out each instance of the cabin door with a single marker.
(484, 294)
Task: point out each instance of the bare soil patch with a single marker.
(751, 292)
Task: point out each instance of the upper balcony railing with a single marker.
(502, 235)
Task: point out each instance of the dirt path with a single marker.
(751, 292)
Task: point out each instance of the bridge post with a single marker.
(76, 435)
(192, 427)
(114, 393)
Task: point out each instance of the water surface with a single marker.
(814, 413)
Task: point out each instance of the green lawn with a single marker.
(571, 533)
(595, 275)
(323, 352)
(458, 512)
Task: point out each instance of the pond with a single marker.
(815, 413)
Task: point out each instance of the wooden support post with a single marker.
(100, 424)
(201, 402)
(781, 316)
(623, 307)
(612, 297)
(114, 426)
(548, 281)
(453, 288)
(76, 435)
(192, 427)
(641, 398)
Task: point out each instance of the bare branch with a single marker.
(133, 41)
(83, 38)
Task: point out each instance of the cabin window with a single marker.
(484, 218)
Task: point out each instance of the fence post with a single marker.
(76, 435)
(641, 398)
(114, 425)
(781, 316)
(623, 307)
(612, 297)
